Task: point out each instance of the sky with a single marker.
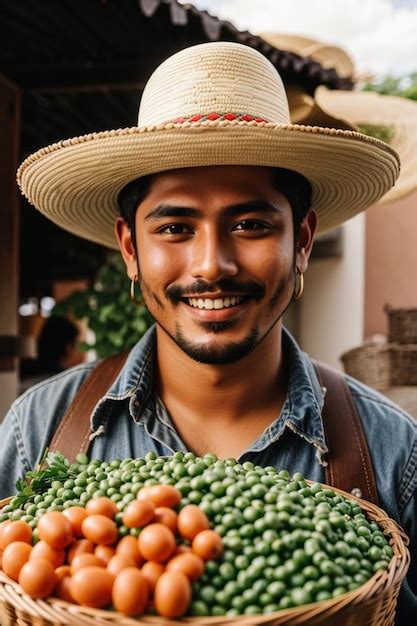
(379, 35)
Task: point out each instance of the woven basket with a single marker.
(403, 365)
(402, 325)
(382, 367)
(369, 364)
(371, 604)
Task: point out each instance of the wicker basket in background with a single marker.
(403, 365)
(371, 604)
(402, 325)
(369, 364)
(393, 364)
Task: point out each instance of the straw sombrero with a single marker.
(328, 55)
(219, 103)
(390, 118)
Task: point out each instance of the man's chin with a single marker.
(215, 354)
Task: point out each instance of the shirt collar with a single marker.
(305, 398)
(301, 411)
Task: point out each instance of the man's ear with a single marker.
(127, 249)
(308, 230)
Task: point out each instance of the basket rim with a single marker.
(379, 583)
(364, 593)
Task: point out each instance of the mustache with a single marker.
(174, 293)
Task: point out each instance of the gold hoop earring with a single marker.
(298, 291)
(136, 302)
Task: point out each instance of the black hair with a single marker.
(296, 189)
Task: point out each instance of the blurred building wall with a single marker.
(390, 261)
(331, 315)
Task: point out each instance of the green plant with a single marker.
(106, 306)
(404, 86)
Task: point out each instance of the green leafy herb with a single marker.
(52, 466)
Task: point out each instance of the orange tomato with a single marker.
(62, 571)
(156, 543)
(2, 527)
(105, 553)
(166, 516)
(152, 571)
(208, 545)
(85, 560)
(15, 531)
(130, 547)
(189, 564)
(102, 506)
(100, 529)
(138, 513)
(191, 521)
(75, 515)
(143, 494)
(62, 589)
(92, 586)
(37, 578)
(80, 546)
(130, 592)
(44, 550)
(55, 529)
(182, 549)
(63, 574)
(119, 562)
(164, 495)
(15, 555)
(172, 595)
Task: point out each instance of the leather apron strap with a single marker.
(349, 462)
(73, 434)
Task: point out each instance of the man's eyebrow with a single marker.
(253, 206)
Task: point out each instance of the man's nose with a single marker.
(212, 257)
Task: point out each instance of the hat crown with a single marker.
(220, 77)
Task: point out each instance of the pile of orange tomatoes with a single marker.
(81, 558)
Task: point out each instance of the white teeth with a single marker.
(216, 303)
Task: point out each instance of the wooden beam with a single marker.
(9, 225)
(37, 76)
(136, 86)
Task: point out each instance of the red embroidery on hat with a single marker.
(213, 116)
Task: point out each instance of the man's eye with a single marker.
(250, 225)
(175, 229)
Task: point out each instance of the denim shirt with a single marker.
(130, 420)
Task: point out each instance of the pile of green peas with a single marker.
(287, 542)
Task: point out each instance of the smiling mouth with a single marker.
(215, 303)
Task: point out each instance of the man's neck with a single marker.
(223, 393)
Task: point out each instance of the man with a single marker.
(220, 199)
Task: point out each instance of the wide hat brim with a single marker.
(76, 182)
(374, 112)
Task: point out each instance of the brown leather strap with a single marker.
(349, 462)
(72, 435)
